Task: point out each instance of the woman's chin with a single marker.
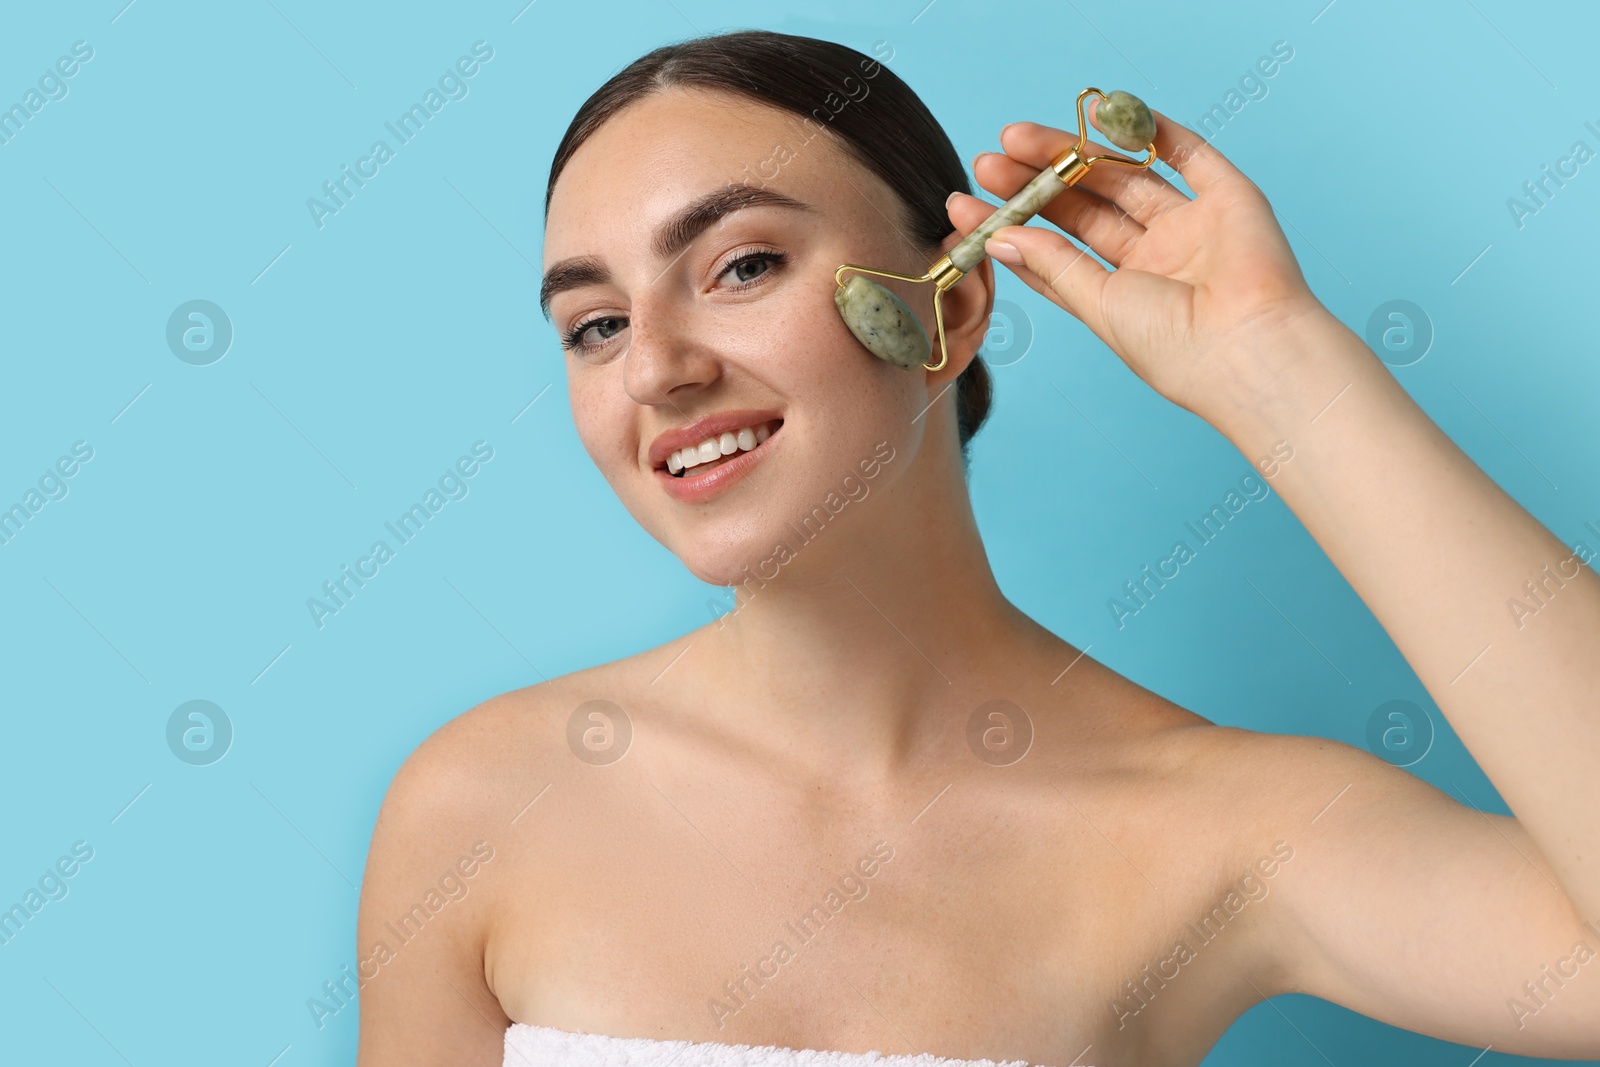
(724, 572)
(735, 564)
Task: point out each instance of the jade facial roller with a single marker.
(886, 326)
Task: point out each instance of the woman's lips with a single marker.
(706, 481)
(731, 441)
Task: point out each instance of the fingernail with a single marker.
(1003, 251)
(977, 157)
(951, 198)
(1006, 127)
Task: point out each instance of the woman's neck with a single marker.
(870, 637)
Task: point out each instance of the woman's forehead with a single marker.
(674, 127)
(674, 145)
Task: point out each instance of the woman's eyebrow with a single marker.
(671, 237)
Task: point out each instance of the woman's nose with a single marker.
(664, 354)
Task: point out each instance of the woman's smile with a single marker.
(717, 459)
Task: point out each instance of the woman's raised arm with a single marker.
(1208, 306)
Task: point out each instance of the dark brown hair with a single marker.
(888, 130)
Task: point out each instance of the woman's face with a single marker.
(735, 318)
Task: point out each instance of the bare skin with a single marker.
(1030, 909)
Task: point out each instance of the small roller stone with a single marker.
(882, 322)
(1126, 121)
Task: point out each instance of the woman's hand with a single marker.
(1203, 286)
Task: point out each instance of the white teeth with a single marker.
(724, 444)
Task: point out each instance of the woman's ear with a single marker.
(967, 307)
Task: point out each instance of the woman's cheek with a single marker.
(601, 437)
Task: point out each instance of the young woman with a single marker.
(876, 807)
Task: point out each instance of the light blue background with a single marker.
(371, 353)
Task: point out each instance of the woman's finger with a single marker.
(1092, 219)
(1202, 166)
(1058, 270)
(1138, 191)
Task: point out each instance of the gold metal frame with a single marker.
(1070, 166)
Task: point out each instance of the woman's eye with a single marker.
(766, 260)
(748, 270)
(575, 338)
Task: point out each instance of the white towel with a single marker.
(542, 1046)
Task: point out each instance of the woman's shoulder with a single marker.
(473, 777)
(1256, 787)
(1252, 779)
(487, 753)
(510, 735)
(1111, 705)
